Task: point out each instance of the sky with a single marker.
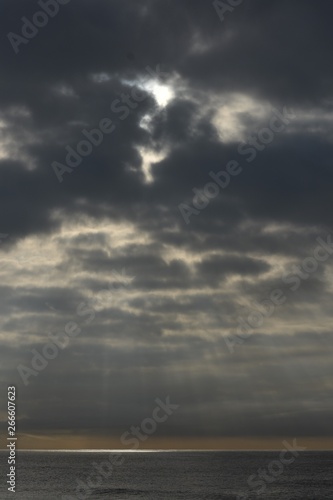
(166, 222)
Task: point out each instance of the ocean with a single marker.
(169, 476)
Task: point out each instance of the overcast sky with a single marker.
(111, 234)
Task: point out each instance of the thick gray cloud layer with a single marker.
(217, 86)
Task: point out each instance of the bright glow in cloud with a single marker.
(148, 158)
(235, 116)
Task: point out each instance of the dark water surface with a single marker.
(168, 475)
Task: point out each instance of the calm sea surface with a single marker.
(169, 475)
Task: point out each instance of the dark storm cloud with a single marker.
(218, 266)
(278, 50)
(164, 334)
(102, 36)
